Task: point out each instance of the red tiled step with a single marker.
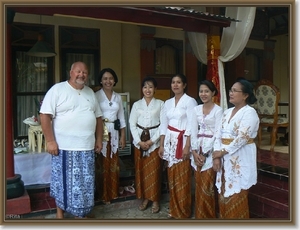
(268, 202)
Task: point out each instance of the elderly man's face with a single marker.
(79, 75)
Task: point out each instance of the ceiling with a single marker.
(278, 19)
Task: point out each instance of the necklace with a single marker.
(110, 103)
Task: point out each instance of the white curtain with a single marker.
(233, 42)
(165, 60)
(86, 58)
(31, 82)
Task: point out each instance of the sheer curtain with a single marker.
(233, 41)
(88, 59)
(165, 60)
(31, 84)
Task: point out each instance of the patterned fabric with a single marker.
(112, 109)
(203, 134)
(266, 104)
(148, 173)
(266, 99)
(179, 117)
(107, 176)
(240, 161)
(281, 120)
(205, 200)
(179, 178)
(235, 206)
(72, 181)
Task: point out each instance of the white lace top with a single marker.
(240, 162)
(203, 132)
(177, 117)
(112, 110)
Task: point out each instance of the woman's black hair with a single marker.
(151, 79)
(210, 85)
(247, 88)
(183, 79)
(109, 70)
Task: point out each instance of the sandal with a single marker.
(129, 189)
(144, 205)
(155, 207)
(170, 216)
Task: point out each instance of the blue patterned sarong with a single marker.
(72, 181)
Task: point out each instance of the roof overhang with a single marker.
(178, 18)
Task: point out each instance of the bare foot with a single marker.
(59, 213)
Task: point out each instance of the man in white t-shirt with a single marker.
(72, 125)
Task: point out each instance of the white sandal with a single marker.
(129, 189)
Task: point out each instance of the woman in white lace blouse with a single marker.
(145, 119)
(107, 164)
(175, 147)
(206, 118)
(235, 152)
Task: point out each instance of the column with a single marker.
(14, 184)
(269, 55)
(191, 63)
(148, 46)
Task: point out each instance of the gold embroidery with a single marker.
(227, 141)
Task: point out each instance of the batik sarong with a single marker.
(148, 174)
(72, 181)
(205, 200)
(179, 178)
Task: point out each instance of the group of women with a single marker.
(215, 146)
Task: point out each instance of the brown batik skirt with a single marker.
(235, 206)
(148, 174)
(107, 175)
(179, 178)
(205, 200)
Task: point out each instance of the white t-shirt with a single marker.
(74, 114)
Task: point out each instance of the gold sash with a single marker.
(227, 141)
(105, 133)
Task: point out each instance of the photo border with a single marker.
(123, 223)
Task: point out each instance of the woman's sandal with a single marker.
(155, 207)
(144, 205)
(129, 189)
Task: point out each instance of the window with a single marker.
(31, 82)
(32, 76)
(71, 56)
(253, 63)
(80, 44)
(168, 56)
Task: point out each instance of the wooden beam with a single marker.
(148, 16)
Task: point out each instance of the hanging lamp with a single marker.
(41, 49)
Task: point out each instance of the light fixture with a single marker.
(41, 48)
